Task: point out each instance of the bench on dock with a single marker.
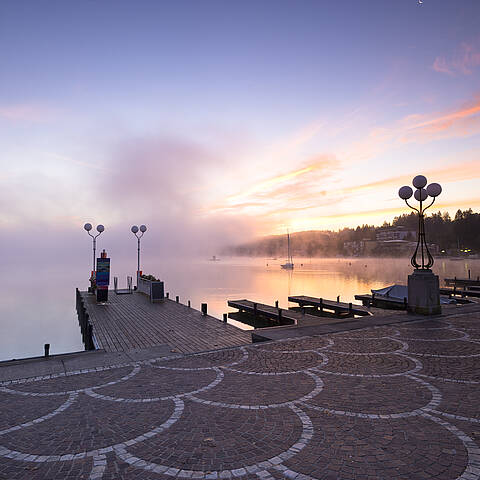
(319, 305)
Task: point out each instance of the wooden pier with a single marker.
(281, 316)
(462, 282)
(132, 322)
(389, 303)
(461, 292)
(324, 307)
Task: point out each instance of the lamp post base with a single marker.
(424, 293)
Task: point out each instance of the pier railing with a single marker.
(86, 328)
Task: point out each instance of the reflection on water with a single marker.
(40, 308)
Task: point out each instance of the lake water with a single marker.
(40, 308)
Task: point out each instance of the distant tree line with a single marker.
(451, 235)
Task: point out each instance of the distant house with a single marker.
(395, 233)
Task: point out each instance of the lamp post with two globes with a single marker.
(100, 229)
(135, 230)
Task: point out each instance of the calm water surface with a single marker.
(40, 308)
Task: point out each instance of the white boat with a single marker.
(399, 293)
(288, 265)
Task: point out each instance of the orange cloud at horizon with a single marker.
(318, 163)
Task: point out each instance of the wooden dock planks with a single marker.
(130, 322)
(337, 307)
(264, 310)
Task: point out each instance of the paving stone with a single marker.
(399, 401)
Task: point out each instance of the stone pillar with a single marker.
(424, 293)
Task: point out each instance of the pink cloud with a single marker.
(465, 59)
(26, 112)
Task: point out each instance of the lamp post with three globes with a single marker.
(421, 194)
(423, 284)
(135, 230)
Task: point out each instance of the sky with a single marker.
(216, 121)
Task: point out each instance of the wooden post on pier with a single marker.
(225, 317)
(168, 295)
(46, 348)
(276, 303)
(338, 298)
(279, 316)
(177, 299)
(255, 309)
(321, 305)
(350, 308)
(189, 304)
(204, 309)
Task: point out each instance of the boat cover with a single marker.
(399, 292)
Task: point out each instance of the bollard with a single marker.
(177, 298)
(321, 305)
(91, 346)
(204, 308)
(255, 309)
(225, 317)
(469, 274)
(338, 298)
(350, 308)
(189, 304)
(46, 347)
(168, 295)
(276, 303)
(405, 303)
(279, 315)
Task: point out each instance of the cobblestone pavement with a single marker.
(393, 402)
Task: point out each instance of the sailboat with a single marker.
(289, 262)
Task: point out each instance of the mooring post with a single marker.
(338, 298)
(189, 304)
(46, 347)
(204, 309)
(91, 346)
(321, 305)
(276, 303)
(255, 309)
(350, 308)
(225, 317)
(279, 315)
(168, 295)
(469, 274)
(405, 303)
(177, 299)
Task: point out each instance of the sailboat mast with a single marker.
(288, 247)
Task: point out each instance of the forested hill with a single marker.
(451, 235)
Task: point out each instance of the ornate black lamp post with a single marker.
(421, 194)
(423, 285)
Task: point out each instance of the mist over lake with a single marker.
(37, 306)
